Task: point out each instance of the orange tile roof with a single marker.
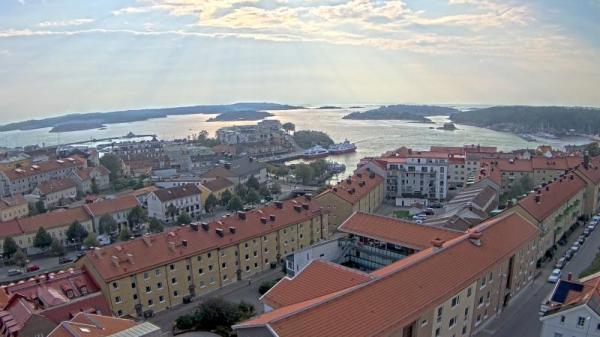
(395, 231)
(12, 201)
(108, 206)
(308, 283)
(217, 184)
(592, 172)
(156, 250)
(91, 325)
(552, 196)
(56, 185)
(543, 163)
(40, 168)
(218, 172)
(354, 188)
(512, 165)
(58, 218)
(391, 301)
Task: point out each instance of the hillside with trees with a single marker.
(415, 113)
(309, 138)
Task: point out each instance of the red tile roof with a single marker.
(592, 172)
(512, 165)
(156, 250)
(91, 325)
(308, 283)
(411, 286)
(395, 231)
(58, 218)
(552, 196)
(39, 168)
(354, 188)
(12, 201)
(217, 184)
(56, 185)
(109, 206)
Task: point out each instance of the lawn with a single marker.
(401, 214)
(593, 268)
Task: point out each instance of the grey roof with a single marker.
(145, 329)
(173, 193)
(246, 165)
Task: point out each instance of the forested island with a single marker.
(309, 138)
(93, 120)
(416, 113)
(555, 120)
(231, 116)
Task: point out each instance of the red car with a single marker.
(32, 267)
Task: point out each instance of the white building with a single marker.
(167, 204)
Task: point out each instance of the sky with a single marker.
(63, 56)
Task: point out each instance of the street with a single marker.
(521, 318)
(46, 264)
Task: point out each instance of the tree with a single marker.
(210, 203)
(275, 188)
(241, 190)
(307, 139)
(107, 224)
(136, 216)
(76, 232)
(94, 186)
(216, 312)
(57, 248)
(593, 149)
(288, 127)
(172, 210)
(19, 258)
(225, 197)
(185, 322)
(520, 187)
(90, 241)
(42, 239)
(252, 182)
(305, 173)
(246, 310)
(40, 206)
(155, 225)
(125, 235)
(264, 191)
(183, 218)
(113, 164)
(204, 140)
(235, 204)
(252, 197)
(319, 166)
(10, 247)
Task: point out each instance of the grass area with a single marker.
(593, 268)
(402, 214)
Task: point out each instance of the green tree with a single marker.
(211, 203)
(520, 187)
(57, 248)
(264, 191)
(216, 312)
(252, 197)
(19, 258)
(183, 218)
(155, 225)
(241, 190)
(185, 322)
(275, 188)
(252, 182)
(593, 149)
(307, 139)
(91, 241)
(246, 310)
(40, 207)
(235, 204)
(305, 173)
(94, 186)
(10, 247)
(76, 232)
(136, 216)
(107, 224)
(288, 127)
(124, 235)
(204, 140)
(113, 164)
(319, 166)
(42, 239)
(225, 197)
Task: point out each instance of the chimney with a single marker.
(263, 220)
(305, 206)
(437, 243)
(272, 217)
(171, 245)
(242, 215)
(279, 204)
(298, 208)
(538, 198)
(194, 226)
(147, 240)
(569, 276)
(184, 243)
(115, 261)
(335, 189)
(232, 229)
(548, 187)
(475, 237)
(219, 231)
(130, 258)
(205, 226)
(308, 196)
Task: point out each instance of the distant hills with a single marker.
(415, 113)
(240, 116)
(528, 119)
(93, 120)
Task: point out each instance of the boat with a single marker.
(527, 137)
(344, 147)
(335, 168)
(316, 151)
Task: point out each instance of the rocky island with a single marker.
(416, 113)
(231, 116)
(448, 127)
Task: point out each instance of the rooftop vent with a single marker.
(538, 198)
(184, 243)
(272, 217)
(242, 215)
(194, 226)
(279, 204)
(205, 226)
(232, 230)
(437, 243)
(298, 208)
(219, 231)
(305, 206)
(475, 237)
(263, 220)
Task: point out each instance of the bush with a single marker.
(185, 322)
(265, 286)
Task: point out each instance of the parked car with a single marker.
(419, 222)
(569, 254)
(436, 205)
(14, 272)
(574, 248)
(591, 227)
(80, 253)
(429, 211)
(32, 267)
(562, 241)
(65, 259)
(555, 276)
(587, 232)
(581, 239)
(560, 263)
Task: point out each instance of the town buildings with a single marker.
(85, 324)
(238, 171)
(263, 131)
(156, 272)
(215, 187)
(118, 208)
(90, 178)
(13, 207)
(168, 203)
(56, 192)
(24, 179)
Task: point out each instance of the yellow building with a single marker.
(361, 192)
(215, 187)
(156, 272)
(13, 207)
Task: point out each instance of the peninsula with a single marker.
(415, 113)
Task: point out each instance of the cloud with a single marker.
(65, 23)
(22, 2)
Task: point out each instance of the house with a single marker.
(85, 179)
(572, 309)
(238, 171)
(589, 171)
(36, 306)
(118, 208)
(215, 187)
(156, 272)
(361, 192)
(24, 179)
(57, 192)
(142, 194)
(13, 207)
(85, 324)
(429, 293)
(168, 203)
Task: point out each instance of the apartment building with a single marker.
(430, 293)
(363, 191)
(238, 171)
(263, 131)
(215, 187)
(85, 178)
(24, 179)
(554, 207)
(158, 271)
(57, 192)
(85, 324)
(13, 207)
(167, 204)
(457, 172)
(118, 208)
(23, 230)
(589, 171)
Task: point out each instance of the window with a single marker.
(455, 301)
(483, 282)
(200, 271)
(115, 285)
(466, 312)
(208, 255)
(424, 322)
(146, 275)
(150, 303)
(175, 293)
(157, 272)
(452, 322)
(481, 301)
(118, 299)
(562, 319)
(491, 277)
(224, 277)
(437, 332)
(210, 267)
(469, 292)
(119, 312)
(464, 330)
(148, 289)
(224, 265)
(159, 285)
(161, 299)
(172, 266)
(580, 322)
(174, 280)
(199, 258)
(132, 285)
(135, 297)
(439, 314)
